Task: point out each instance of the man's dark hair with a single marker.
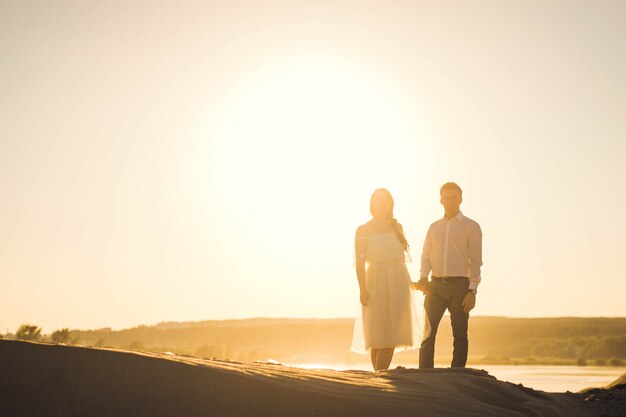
(450, 186)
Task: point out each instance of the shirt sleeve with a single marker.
(425, 266)
(475, 256)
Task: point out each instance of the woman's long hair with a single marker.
(394, 223)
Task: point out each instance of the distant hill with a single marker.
(492, 339)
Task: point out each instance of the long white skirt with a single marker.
(393, 317)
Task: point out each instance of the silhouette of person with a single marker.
(387, 321)
(453, 252)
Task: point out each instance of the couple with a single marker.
(389, 319)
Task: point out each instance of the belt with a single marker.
(447, 280)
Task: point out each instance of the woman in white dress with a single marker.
(388, 321)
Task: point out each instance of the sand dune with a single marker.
(54, 380)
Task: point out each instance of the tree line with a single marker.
(597, 341)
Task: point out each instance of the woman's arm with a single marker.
(360, 246)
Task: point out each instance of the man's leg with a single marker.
(435, 306)
(459, 321)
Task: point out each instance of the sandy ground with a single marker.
(56, 380)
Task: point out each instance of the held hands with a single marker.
(468, 302)
(422, 285)
(364, 297)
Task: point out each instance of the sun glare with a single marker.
(316, 137)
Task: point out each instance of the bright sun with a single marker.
(308, 140)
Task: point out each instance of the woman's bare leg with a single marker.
(373, 355)
(383, 358)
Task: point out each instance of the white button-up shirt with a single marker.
(453, 248)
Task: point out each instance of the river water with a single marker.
(539, 377)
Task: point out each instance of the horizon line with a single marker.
(314, 319)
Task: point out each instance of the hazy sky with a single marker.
(201, 160)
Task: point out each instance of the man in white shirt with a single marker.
(453, 252)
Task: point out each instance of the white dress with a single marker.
(390, 319)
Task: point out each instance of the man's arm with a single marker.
(425, 262)
(475, 256)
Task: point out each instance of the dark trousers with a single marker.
(444, 296)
